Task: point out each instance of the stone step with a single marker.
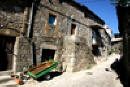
(4, 73)
(8, 85)
(7, 80)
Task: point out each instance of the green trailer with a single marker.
(42, 69)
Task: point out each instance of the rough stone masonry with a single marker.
(50, 29)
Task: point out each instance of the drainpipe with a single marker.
(30, 27)
(31, 20)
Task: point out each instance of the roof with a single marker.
(84, 9)
(116, 39)
(20, 3)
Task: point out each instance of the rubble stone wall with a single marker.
(11, 25)
(71, 51)
(11, 16)
(23, 53)
(106, 43)
(76, 54)
(47, 36)
(117, 47)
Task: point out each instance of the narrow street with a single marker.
(64, 43)
(98, 76)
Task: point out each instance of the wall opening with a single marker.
(73, 28)
(47, 54)
(6, 53)
(96, 50)
(52, 19)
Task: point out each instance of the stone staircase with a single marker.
(6, 80)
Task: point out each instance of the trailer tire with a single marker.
(48, 77)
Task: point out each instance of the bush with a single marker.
(111, 51)
(89, 66)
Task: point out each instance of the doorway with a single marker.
(96, 51)
(47, 54)
(6, 53)
(73, 28)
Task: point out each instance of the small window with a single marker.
(52, 19)
(47, 54)
(73, 27)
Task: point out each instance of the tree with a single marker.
(120, 2)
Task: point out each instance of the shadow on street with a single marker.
(49, 76)
(118, 67)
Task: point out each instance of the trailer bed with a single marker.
(41, 69)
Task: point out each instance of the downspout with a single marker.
(31, 20)
(30, 27)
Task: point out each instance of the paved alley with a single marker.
(98, 76)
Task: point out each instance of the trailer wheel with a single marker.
(47, 77)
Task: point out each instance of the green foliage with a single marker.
(89, 66)
(120, 2)
(51, 60)
(114, 2)
(111, 51)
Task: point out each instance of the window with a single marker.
(47, 54)
(73, 27)
(52, 19)
(93, 37)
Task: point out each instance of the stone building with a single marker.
(108, 30)
(33, 32)
(101, 42)
(117, 45)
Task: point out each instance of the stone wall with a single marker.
(46, 36)
(23, 53)
(101, 43)
(48, 43)
(11, 25)
(76, 54)
(12, 15)
(71, 51)
(106, 43)
(64, 14)
(117, 46)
